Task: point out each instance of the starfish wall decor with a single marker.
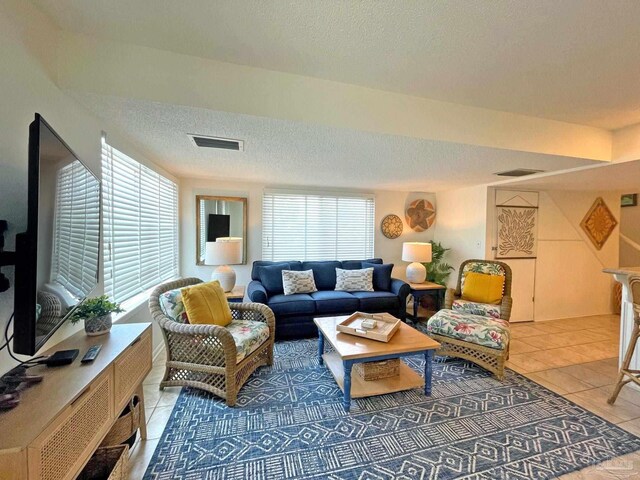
(420, 215)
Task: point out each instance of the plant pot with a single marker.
(98, 325)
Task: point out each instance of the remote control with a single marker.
(91, 354)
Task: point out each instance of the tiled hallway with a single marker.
(576, 358)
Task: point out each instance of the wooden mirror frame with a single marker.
(200, 198)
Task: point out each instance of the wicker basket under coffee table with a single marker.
(349, 350)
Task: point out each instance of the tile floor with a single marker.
(576, 358)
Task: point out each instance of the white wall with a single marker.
(568, 279)
(27, 67)
(386, 202)
(462, 225)
(626, 144)
(630, 228)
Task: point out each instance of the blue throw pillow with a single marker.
(324, 273)
(381, 275)
(271, 277)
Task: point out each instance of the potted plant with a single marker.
(96, 313)
(438, 270)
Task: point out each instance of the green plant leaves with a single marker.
(95, 307)
(438, 271)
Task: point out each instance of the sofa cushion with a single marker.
(248, 335)
(324, 273)
(335, 302)
(296, 304)
(360, 280)
(172, 306)
(298, 282)
(377, 301)
(206, 303)
(483, 288)
(483, 309)
(271, 277)
(358, 264)
(485, 331)
(255, 270)
(481, 266)
(381, 275)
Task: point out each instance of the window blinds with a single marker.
(140, 226)
(76, 238)
(299, 226)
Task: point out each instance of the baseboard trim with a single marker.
(157, 351)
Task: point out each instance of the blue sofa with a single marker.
(295, 313)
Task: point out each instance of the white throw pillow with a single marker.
(298, 282)
(354, 280)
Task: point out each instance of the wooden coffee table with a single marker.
(350, 349)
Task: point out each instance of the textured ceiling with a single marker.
(621, 177)
(282, 152)
(571, 60)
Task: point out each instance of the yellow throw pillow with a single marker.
(205, 303)
(483, 288)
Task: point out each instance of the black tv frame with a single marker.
(26, 254)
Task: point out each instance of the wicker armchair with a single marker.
(491, 352)
(50, 312)
(205, 356)
(453, 294)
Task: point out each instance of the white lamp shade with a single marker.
(227, 252)
(416, 252)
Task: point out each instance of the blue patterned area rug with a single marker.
(290, 424)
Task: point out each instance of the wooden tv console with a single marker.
(61, 422)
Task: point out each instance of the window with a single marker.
(140, 226)
(76, 233)
(299, 226)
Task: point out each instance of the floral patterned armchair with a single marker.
(477, 332)
(453, 298)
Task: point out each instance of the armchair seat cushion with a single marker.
(474, 308)
(476, 329)
(377, 301)
(248, 335)
(292, 304)
(332, 301)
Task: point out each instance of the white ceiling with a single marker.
(620, 177)
(571, 60)
(283, 152)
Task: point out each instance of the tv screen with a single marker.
(57, 257)
(218, 226)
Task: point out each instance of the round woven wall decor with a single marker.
(420, 215)
(391, 226)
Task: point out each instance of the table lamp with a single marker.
(416, 252)
(222, 252)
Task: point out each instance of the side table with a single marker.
(236, 295)
(418, 290)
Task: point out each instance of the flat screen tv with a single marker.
(57, 257)
(218, 226)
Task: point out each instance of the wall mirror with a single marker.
(220, 218)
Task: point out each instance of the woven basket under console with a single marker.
(378, 370)
(126, 425)
(108, 463)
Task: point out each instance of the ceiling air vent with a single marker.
(518, 172)
(217, 142)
